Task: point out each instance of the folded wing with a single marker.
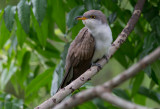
(79, 56)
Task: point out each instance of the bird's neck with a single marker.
(101, 32)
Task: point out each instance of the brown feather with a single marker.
(79, 56)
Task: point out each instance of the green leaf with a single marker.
(39, 9)
(128, 49)
(122, 93)
(9, 13)
(154, 77)
(155, 23)
(75, 30)
(49, 51)
(20, 55)
(41, 30)
(148, 71)
(124, 15)
(110, 5)
(36, 70)
(119, 56)
(10, 102)
(156, 68)
(87, 105)
(137, 82)
(13, 46)
(39, 81)
(149, 42)
(7, 74)
(48, 54)
(148, 46)
(112, 17)
(1, 14)
(152, 84)
(58, 72)
(154, 3)
(24, 14)
(116, 30)
(72, 3)
(150, 94)
(25, 68)
(4, 34)
(57, 39)
(91, 4)
(150, 12)
(8, 105)
(21, 35)
(99, 103)
(139, 99)
(51, 48)
(50, 63)
(77, 11)
(59, 14)
(82, 88)
(109, 106)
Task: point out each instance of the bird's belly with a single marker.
(101, 49)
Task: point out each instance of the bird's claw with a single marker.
(105, 57)
(98, 65)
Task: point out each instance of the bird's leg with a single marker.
(98, 65)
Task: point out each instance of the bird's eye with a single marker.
(93, 17)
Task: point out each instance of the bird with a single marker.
(91, 44)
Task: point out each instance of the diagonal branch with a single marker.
(120, 102)
(108, 86)
(60, 95)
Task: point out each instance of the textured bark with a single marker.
(120, 102)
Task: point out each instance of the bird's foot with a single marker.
(105, 57)
(98, 65)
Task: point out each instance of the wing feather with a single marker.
(79, 56)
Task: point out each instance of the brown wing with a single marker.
(79, 56)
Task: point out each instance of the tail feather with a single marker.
(67, 78)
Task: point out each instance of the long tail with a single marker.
(67, 78)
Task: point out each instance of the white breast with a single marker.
(103, 38)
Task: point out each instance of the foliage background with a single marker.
(34, 38)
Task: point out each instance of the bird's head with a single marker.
(93, 18)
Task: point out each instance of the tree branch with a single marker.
(108, 86)
(120, 102)
(60, 95)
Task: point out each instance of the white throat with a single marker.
(102, 35)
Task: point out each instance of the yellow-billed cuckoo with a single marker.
(91, 44)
